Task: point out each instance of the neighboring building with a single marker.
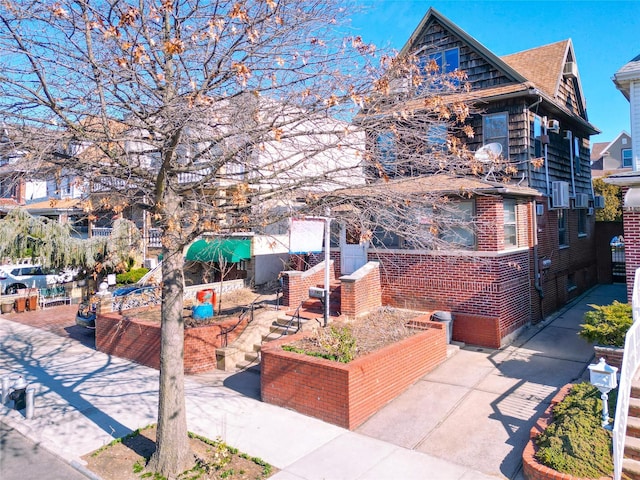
(49, 192)
(532, 249)
(627, 79)
(612, 157)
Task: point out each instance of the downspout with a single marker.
(546, 163)
(569, 136)
(534, 213)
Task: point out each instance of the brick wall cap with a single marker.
(361, 272)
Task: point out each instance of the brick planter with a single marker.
(531, 467)
(139, 341)
(346, 394)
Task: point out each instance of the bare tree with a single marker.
(197, 112)
(227, 116)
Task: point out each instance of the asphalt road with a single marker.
(21, 459)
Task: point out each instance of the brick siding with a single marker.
(348, 394)
(361, 291)
(296, 284)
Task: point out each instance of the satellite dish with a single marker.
(488, 153)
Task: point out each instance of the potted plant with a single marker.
(606, 326)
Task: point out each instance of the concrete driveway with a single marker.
(477, 408)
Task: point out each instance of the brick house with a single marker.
(532, 248)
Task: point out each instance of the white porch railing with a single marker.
(630, 363)
(153, 235)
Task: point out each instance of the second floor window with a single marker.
(495, 129)
(627, 159)
(437, 136)
(386, 146)
(576, 154)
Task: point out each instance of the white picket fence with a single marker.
(630, 364)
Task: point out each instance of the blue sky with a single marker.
(605, 36)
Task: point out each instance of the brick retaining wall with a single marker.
(139, 341)
(346, 394)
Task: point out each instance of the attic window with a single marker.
(439, 63)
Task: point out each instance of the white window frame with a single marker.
(510, 216)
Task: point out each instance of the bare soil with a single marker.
(371, 332)
(126, 459)
(231, 305)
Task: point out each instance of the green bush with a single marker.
(575, 443)
(132, 276)
(607, 324)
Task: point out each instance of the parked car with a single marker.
(25, 275)
(86, 315)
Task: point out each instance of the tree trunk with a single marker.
(172, 455)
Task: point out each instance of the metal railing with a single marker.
(248, 310)
(630, 363)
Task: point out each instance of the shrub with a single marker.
(607, 324)
(132, 276)
(575, 443)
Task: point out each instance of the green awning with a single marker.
(230, 249)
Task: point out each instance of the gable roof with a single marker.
(542, 65)
(597, 150)
(540, 69)
(433, 15)
(601, 148)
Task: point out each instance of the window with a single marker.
(582, 222)
(437, 136)
(537, 136)
(627, 159)
(436, 63)
(495, 128)
(386, 145)
(563, 239)
(457, 224)
(510, 223)
(576, 154)
(447, 61)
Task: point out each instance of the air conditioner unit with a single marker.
(598, 201)
(590, 211)
(570, 70)
(560, 195)
(581, 200)
(554, 126)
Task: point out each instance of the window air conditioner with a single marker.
(590, 211)
(570, 70)
(560, 195)
(598, 201)
(553, 126)
(581, 200)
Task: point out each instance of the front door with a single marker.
(353, 252)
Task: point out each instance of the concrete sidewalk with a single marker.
(468, 419)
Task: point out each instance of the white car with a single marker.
(16, 276)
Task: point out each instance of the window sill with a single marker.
(582, 235)
(563, 247)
